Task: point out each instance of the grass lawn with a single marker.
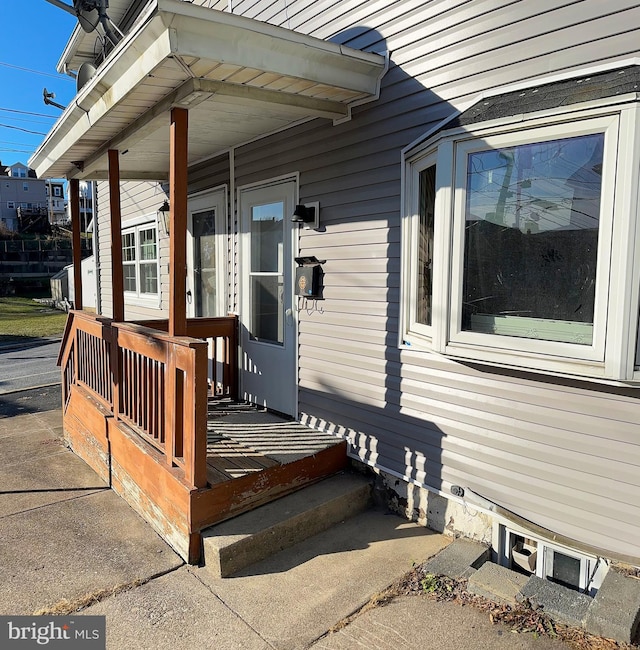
(22, 318)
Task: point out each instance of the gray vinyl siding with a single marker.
(136, 199)
(564, 454)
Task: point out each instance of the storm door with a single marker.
(206, 283)
(268, 323)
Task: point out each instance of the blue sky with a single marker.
(33, 34)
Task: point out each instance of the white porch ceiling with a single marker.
(239, 78)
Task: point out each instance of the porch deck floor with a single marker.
(243, 439)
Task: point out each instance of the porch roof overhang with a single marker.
(239, 78)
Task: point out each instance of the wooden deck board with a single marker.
(242, 440)
(215, 476)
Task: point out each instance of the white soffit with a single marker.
(239, 78)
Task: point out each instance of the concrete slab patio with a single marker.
(64, 533)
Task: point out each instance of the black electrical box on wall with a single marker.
(308, 281)
(309, 277)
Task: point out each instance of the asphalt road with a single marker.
(32, 400)
(29, 366)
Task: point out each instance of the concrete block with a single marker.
(560, 603)
(455, 560)
(615, 610)
(497, 583)
(260, 533)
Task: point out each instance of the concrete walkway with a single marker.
(68, 541)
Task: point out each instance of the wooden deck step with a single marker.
(237, 543)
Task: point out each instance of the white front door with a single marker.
(206, 281)
(267, 316)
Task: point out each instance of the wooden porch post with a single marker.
(178, 222)
(117, 282)
(74, 196)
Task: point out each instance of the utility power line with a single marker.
(15, 144)
(13, 110)
(31, 120)
(17, 128)
(16, 150)
(45, 74)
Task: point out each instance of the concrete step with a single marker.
(253, 536)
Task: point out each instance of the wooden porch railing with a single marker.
(154, 383)
(162, 394)
(221, 335)
(85, 356)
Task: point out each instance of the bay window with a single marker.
(519, 241)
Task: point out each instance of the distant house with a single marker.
(468, 317)
(19, 188)
(56, 204)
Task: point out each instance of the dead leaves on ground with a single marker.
(522, 618)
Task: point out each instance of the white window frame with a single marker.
(11, 205)
(138, 297)
(421, 165)
(592, 568)
(611, 357)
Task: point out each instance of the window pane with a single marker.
(149, 278)
(425, 245)
(204, 262)
(565, 570)
(129, 277)
(128, 247)
(148, 244)
(531, 239)
(267, 238)
(267, 320)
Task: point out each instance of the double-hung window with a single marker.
(519, 238)
(140, 261)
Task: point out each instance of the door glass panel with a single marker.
(204, 263)
(266, 282)
(266, 313)
(267, 237)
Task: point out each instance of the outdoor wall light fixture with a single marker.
(308, 215)
(164, 215)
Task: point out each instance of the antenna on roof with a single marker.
(48, 98)
(90, 13)
(87, 13)
(86, 71)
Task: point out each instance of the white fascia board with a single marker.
(222, 36)
(70, 50)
